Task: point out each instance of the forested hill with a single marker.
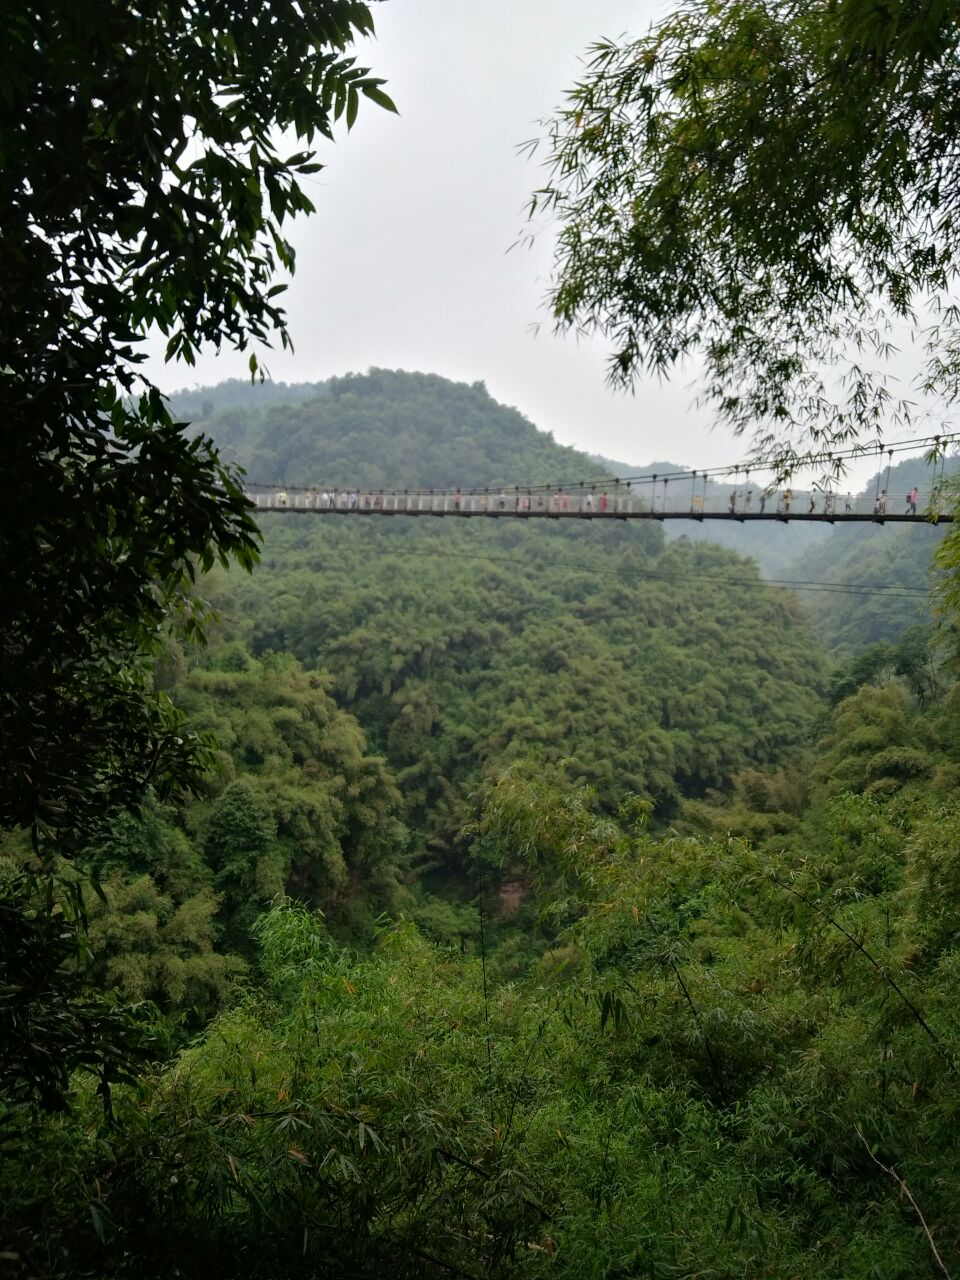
(385, 428)
(630, 664)
(887, 569)
(388, 428)
(879, 568)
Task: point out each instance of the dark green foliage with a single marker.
(919, 658)
(140, 186)
(152, 932)
(356, 1153)
(619, 1047)
(713, 1069)
(638, 665)
(456, 647)
(306, 810)
(108, 227)
(297, 806)
(51, 1021)
(724, 1048)
(705, 1055)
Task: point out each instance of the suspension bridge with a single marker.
(733, 494)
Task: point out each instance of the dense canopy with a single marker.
(530, 912)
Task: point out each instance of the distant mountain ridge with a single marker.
(382, 429)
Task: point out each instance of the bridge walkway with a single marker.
(617, 506)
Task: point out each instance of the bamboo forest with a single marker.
(488, 898)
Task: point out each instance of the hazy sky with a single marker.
(407, 263)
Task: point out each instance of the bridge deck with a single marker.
(739, 517)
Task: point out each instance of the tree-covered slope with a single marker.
(888, 569)
(881, 572)
(737, 1058)
(774, 546)
(386, 429)
(642, 666)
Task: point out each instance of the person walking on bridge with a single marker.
(913, 498)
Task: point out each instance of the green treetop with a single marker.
(765, 186)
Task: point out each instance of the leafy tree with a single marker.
(152, 928)
(51, 1020)
(916, 658)
(141, 184)
(151, 945)
(702, 1075)
(765, 185)
(240, 841)
(863, 727)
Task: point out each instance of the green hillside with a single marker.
(640, 666)
(774, 546)
(381, 429)
(872, 562)
(629, 952)
(877, 561)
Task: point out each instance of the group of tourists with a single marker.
(580, 501)
(785, 499)
(334, 499)
(560, 501)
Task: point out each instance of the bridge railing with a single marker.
(632, 499)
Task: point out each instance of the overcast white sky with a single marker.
(406, 263)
